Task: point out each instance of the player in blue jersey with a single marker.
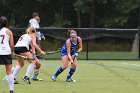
(69, 53)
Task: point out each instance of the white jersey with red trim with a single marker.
(33, 23)
(24, 41)
(4, 42)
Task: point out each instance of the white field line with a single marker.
(106, 78)
(128, 64)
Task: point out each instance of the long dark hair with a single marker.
(3, 21)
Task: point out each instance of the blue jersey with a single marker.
(72, 49)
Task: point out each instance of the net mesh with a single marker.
(98, 43)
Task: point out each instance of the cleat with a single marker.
(5, 78)
(54, 78)
(70, 80)
(15, 81)
(26, 79)
(36, 79)
(11, 91)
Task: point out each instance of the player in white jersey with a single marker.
(6, 51)
(22, 48)
(24, 41)
(34, 22)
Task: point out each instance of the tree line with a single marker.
(73, 13)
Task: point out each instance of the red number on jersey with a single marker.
(21, 38)
(2, 39)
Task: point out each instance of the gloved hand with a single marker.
(76, 54)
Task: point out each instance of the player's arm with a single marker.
(80, 45)
(36, 46)
(32, 50)
(9, 32)
(68, 50)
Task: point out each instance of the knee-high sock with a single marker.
(10, 82)
(13, 68)
(30, 69)
(71, 72)
(16, 71)
(60, 70)
(36, 72)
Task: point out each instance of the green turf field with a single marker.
(94, 76)
(101, 55)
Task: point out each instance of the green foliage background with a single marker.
(72, 13)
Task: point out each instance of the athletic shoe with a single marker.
(5, 78)
(54, 78)
(70, 80)
(36, 79)
(26, 79)
(11, 91)
(15, 81)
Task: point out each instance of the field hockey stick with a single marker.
(25, 57)
(73, 59)
(51, 52)
(75, 56)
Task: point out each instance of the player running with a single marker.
(68, 53)
(22, 48)
(6, 51)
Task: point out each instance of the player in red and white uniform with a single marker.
(6, 51)
(22, 48)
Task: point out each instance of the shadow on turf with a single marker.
(64, 83)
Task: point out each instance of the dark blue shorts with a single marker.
(19, 50)
(64, 52)
(5, 59)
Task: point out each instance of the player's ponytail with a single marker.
(68, 32)
(31, 30)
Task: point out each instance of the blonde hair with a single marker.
(31, 30)
(72, 33)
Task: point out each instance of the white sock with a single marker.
(10, 82)
(36, 72)
(30, 69)
(16, 70)
(13, 68)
